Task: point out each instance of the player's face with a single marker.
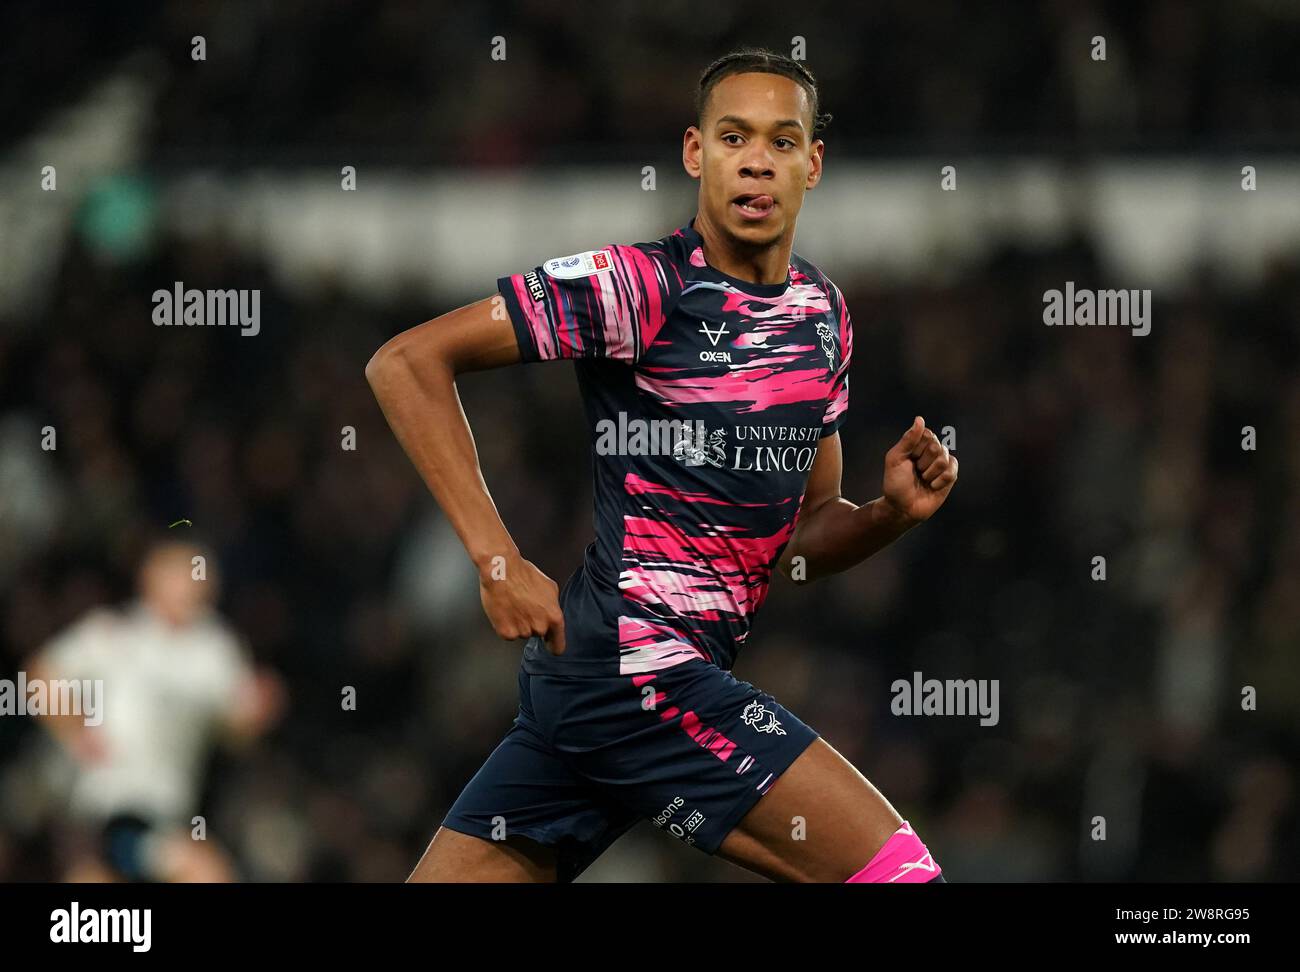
(754, 156)
(168, 586)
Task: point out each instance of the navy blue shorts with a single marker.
(691, 749)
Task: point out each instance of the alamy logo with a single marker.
(757, 448)
(55, 697)
(761, 719)
(645, 437)
(1100, 308)
(953, 697)
(74, 924)
(211, 308)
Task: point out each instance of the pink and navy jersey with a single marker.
(705, 399)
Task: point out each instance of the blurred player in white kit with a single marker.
(177, 680)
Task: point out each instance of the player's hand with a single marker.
(258, 705)
(919, 473)
(521, 601)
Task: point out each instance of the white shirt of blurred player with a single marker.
(166, 691)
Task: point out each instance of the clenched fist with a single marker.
(522, 602)
(919, 473)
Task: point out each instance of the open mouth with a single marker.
(754, 205)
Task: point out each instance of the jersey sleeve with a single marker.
(78, 650)
(607, 303)
(837, 403)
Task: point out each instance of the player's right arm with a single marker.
(413, 377)
(70, 655)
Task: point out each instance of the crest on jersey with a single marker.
(761, 718)
(828, 342)
(579, 265)
(702, 448)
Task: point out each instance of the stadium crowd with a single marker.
(395, 80)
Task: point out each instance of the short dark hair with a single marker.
(759, 59)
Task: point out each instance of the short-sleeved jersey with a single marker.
(705, 399)
(166, 690)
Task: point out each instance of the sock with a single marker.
(903, 860)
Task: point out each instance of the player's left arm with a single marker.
(832, 533)
(247, 699)
(253, 709)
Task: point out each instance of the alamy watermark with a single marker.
(208, 308)
(950, 697)
(53, 697)
(762, 449)
(78, 925)
(1098, 308)
(648, 437)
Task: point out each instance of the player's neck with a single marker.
(759, 265)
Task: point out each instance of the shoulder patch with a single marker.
(579, 265)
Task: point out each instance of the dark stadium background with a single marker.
(339, 571)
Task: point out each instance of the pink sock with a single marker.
(903, 860)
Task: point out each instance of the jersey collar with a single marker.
(744, 286)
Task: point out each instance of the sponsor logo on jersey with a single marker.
(534, 283)
(713, 335)
(683, 830)
(666, 814)
(714, 357)
(753, 455)
(692, 823)
(579, 265)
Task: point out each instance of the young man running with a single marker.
(713, 365)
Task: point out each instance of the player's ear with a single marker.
(815, 163)
(692, 146)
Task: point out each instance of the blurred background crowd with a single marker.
(403, 78)
(1120, 698)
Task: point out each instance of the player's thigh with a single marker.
(526, 815)
(453, 857)
(821, 820)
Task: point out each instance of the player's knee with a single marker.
(903, 860)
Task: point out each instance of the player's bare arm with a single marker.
(833, 534)
(413, 377)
